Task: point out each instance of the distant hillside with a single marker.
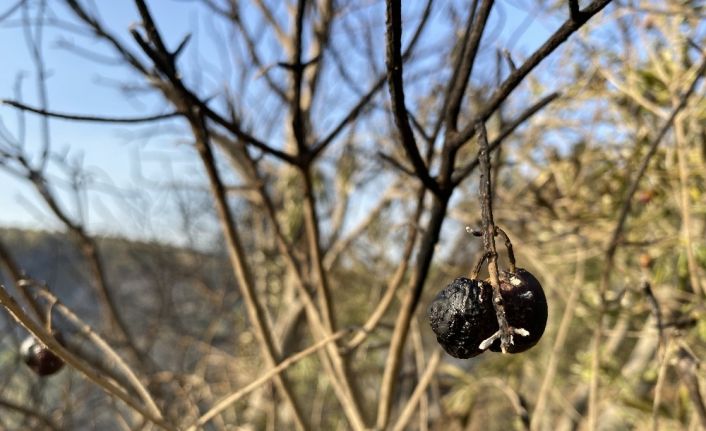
(147, 277)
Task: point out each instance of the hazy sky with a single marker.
(125, 159)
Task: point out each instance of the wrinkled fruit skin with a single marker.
(39, 358)
(525, 307)
(462, 316)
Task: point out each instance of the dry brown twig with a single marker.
(107, 384)
(506, 332)
(264, 378)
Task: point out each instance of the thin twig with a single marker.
(103, 346)
(515, 78)
(16, 275)
(332, 364)
(475, 29)
(47, 421)
(48, 340)
(394, 283)
(687, 366)
(656, 310)
(508, 246)
(411, 406)
(558, 347)
(264, 378)
(518, 403)
(505, 333)
(464, 171)
(240, 266)
(685, 205)
(661, 377)
(359, 107)
(89, 118)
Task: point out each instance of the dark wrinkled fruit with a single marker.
(525, 307)
(39, 358)
(462, 316)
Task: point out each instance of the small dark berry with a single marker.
(39, 358)
(525, 307)
(462, 316)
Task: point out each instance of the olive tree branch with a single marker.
(617, 234)
(363, 102)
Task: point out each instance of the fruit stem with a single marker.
(479, 265)
(508, 246)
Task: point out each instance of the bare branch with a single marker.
(468, 57)
(396, 88)
(574, 10)
(409, 408)
(48, 340)
(89, 118)
(241, 268)
(515, 78)
(264, 378)
(359, 107)
(463, 172)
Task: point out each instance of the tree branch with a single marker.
(515, 78)
(468, 57)
(359, 107)
(461, 173)
(617, 233)
(89, 118)
(396, 88)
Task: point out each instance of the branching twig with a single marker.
(359, 107)
(477, 20)
(48, 340)
(241, 268)
(505, 333)
(410, 407)
(102, 345)
(463, 172)
(46, 420)
(515, 78)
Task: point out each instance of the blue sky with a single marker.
(126, 158)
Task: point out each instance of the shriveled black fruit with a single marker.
(462, 316)
(525, 307)
(39, 358)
